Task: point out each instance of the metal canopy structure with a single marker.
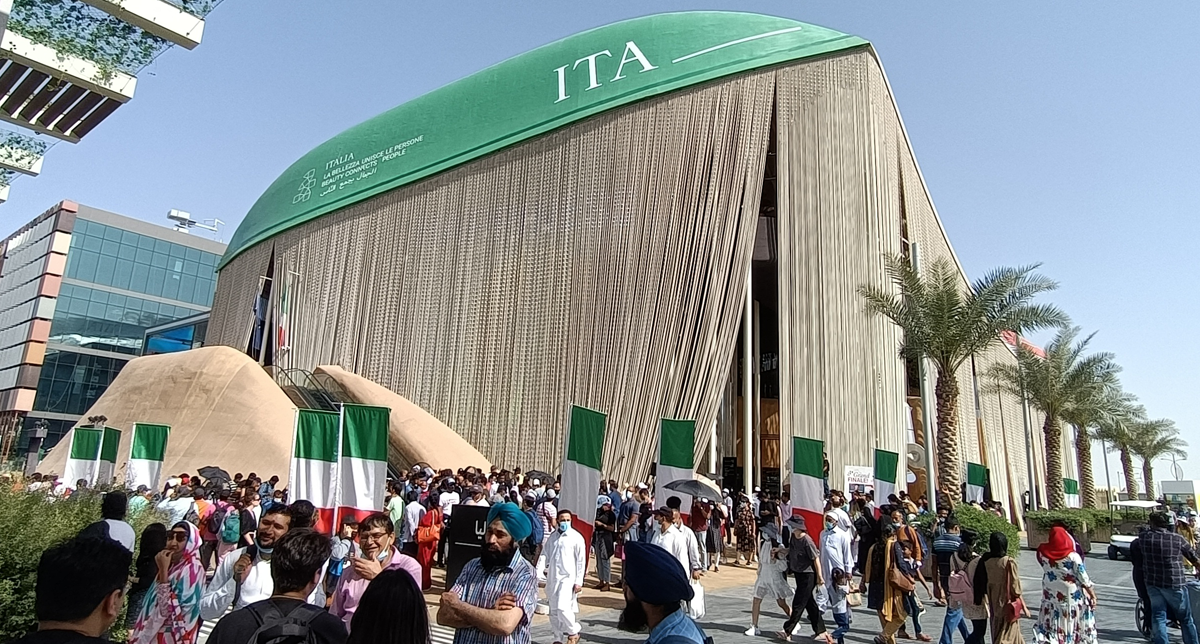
(64, 96)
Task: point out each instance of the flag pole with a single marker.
(337, 469)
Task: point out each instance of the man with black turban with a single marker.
(655, 588)
(494, 598)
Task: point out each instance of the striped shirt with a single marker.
(482, 588)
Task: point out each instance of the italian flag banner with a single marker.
(93, 456)
(886, 465)
(581, 468)
(314, 461)
(1071, 493)
(146, 454)
(808, 482)
(362, 467)
(977, 478)
(676, 461)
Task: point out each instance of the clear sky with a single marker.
(1061, 133)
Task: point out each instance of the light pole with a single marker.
(40, 428)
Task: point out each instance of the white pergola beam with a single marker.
(75, 70)
(160, 18)
(21, 161)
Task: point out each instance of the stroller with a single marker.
(1141, 612)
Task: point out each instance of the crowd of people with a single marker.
(236, 553)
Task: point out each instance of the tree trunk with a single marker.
(1083, 453)
(1148, 478)
(1054, 478)
(949, 463)
(1131, 486)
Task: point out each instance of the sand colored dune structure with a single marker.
(414, 435)
(223, 410)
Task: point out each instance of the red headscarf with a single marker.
(1059, 546)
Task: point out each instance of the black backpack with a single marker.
(215, 522)
(275, 627)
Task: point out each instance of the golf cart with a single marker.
(1125, 532)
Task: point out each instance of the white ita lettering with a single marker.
(632, 54)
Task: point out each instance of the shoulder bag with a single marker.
(1015, 607)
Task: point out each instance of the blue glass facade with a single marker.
(117, 284)
(133, 262)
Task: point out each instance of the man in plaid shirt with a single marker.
(1162, 553)
(494, 598)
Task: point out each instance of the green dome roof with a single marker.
(523, 97)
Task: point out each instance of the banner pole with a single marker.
(337, 469)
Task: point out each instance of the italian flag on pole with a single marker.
(976, 481)
(886, 464)
(146, 455)
(314, 459)
(362, 468)
(808, 482)
(581, 468)
(1071, 492)
(93, 455)
(676, 461)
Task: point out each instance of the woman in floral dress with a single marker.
(745, 530)
(1068, 599)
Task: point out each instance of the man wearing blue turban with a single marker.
(495, 596)
(655, 588)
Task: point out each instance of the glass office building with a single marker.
(121, 278)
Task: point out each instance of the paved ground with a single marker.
(727, 601)
(728, 609)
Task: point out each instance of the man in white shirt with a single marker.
(669, 537)
(178, 506)
(562, 565)
(252, 566)
(413, 512)
(695, 563)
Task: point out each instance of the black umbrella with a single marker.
(694, 487)
(540, 476)
(211, 473)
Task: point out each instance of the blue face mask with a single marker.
(563, 526)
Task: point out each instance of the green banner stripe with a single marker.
(316, 435)
(86, 444)
(808, 457)
(112, 441)
(1070, 486)
(585, 442)
(365, 434)
(149, 442)
(678, 443)
(977, 474)
(885, 465)
(527, 96)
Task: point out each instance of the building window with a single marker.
(71, 382)
(96, 319)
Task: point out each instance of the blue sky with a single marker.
(1061, 133)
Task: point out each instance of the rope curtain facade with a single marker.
(605, 265)
(602, 265)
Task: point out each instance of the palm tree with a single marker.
(948, 324)
(1086, 417)
(1057, 385)
(1154, 439)
(1117, 429)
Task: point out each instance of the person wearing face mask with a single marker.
(561, 566)
(377, 538)
(837, 558)
(171, 609)
(669, 537)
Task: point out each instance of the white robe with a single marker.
(562, 565)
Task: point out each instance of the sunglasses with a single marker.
(177, 536)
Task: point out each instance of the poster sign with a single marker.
(468, 524)
(859, 478)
